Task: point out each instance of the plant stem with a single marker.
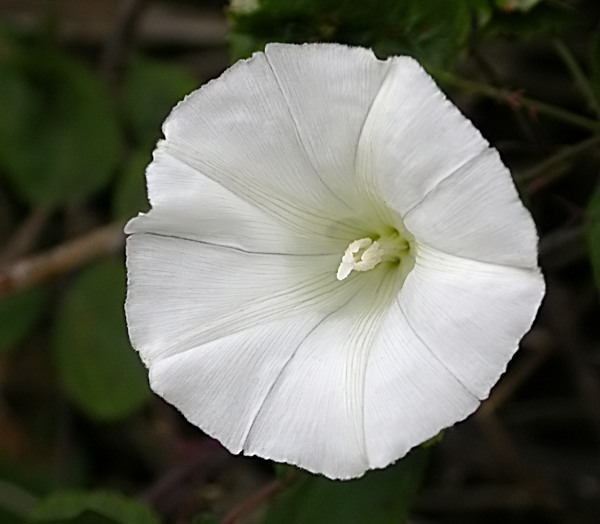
(515, 99)
(563, 154)
(578, 75)
(61, 259)
(261, 496)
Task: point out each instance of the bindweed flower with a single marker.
(336, 265)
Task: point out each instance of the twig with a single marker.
(61, 259)
(113, 56)
(260, 497)
(578, 75)
(565, 309)
(512, 381)
(500, 440)
(515, 99)
(211, 457)
(503, 446)
(531, 174)
(25, 238)
(562, 247)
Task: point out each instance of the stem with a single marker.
(515, 99)
(261, 496)
(27, 235)
(564, 154)
(61, 259)
(114, 53)
(578, 75)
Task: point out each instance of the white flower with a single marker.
(336, 265)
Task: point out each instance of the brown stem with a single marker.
(114, 53)
(261, 496)
(27, 235)
(61, 259)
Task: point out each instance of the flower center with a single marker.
(365, 253)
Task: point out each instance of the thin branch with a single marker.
(505, 390)
(114, 53)
(578, 75)
(503, 446)
(210, 458)
(260, 497)
(548, 165)
(26, 236)
(515, 99)
(562, 247)
(61, 259)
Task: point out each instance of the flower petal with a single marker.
(478, 215)
(242, 131)
(284, 388)
(221, 385)
(329, 90)
(410, 396)
(471, 315)
(413, 138)
(187, 204)
(184, 293)
(314, 414)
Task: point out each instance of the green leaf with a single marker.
(91, 508)
(593, 234)
(380, 497)
(434, 31)
(18, 315)
(129, 197)
(61, 140)
(151, 90)
(98, 368)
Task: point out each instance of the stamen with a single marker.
(361, 255)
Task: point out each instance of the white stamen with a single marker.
(361, 255)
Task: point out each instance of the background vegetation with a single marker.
(84, 87)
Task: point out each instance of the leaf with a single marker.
(593, 234)
(18, 315)
(91, 508)
(97, 366)
(150, 91)
(62, 139)
(434, 31)
(380, 497)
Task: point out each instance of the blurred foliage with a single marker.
(77, 412)
(436, 32)
(18, 314)
(97, 368)
(61, 138)
(79, 507)
(378, 498)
